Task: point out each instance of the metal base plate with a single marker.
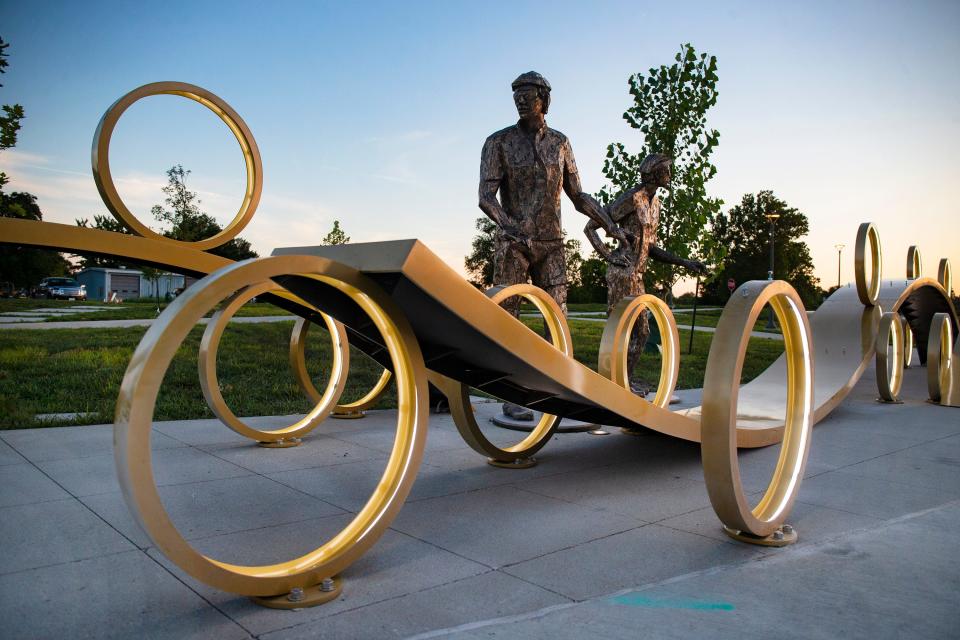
(773, 540)
(312, 597)
(281, 444)
(519, 463)
(352, 415)
(567, 425)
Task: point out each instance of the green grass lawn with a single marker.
(134, 310)
(74, 370)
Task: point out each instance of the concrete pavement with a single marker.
(609, 536)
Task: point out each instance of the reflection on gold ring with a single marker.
(138, 394)
(914, 263)
(889, 371)
(721, 467)
(207, 362)
(615, 343)
(867, 291)
(458, 394)
(945, 276)
(251, 158)
(939, 357)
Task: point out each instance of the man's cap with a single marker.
(531, 78)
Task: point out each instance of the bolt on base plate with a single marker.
(518, 463)
(780, 538)
(281, 444)
(348, 415)
(882, 401)
(301, 598)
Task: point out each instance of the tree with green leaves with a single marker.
(104, 223)
(12, 115)
(669, 108)
(23, 266)
(26, 266)
(186, 220)
(336, 236)
(744, 234)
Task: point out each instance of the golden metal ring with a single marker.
(138, 394)
(868, 291)
(945, 276)
(207, 364)
(721, 468)
(251, 158)
(615, 343)
(907, 345)
(338, 335)
(939, 360)
(458, 394)
(368, 400)
(889, 370)
(914, 263)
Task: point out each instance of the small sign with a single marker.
(731, 284)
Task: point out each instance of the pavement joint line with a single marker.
(569, 547)
(69, 562)
(209, 602)
(30, 504)
(387, 599)
(586, 505)
(774, 556)
(437, 546)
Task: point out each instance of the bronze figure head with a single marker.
(528, 89)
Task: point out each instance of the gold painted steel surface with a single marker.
(102, 176)
(907, 345)
(889, 360)
(614, 343)
(721, 468)
(207, 366)
(458, 394)
(945, 275)
(357, 407)
(940, 359)
(142, 381)
(867, 289)
(914, 263)
(338, 336)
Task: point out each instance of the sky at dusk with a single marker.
(374, 113)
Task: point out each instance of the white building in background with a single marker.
(129, 284)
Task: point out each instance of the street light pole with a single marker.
(839, 248)
(772, 217)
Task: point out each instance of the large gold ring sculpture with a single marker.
(615, 343)
(945, 275)
(907, 345)
(868, 290)
(338, 336)
(207, 364)
(142, 382)
(914, 263)
(251, 158)
(474, 330)
(939, 361)
(889, 369)
(458, 394)
(721, 469)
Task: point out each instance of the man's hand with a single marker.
(696, 266)
(616, 232)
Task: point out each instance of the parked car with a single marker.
(7, 290)
(62, 288)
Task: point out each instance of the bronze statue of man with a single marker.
(637, 211)
(529, 164)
